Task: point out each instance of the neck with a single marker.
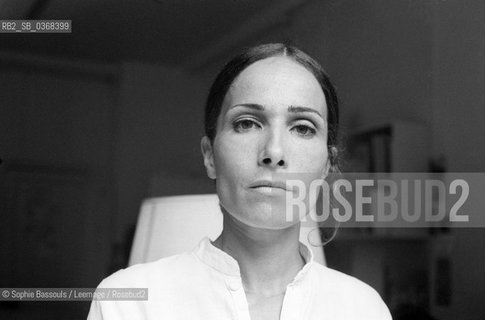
(268, 259)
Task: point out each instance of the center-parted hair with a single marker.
(233, 68)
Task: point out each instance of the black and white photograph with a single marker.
(242, 159)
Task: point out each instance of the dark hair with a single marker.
(233, 68)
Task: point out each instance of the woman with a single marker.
(271, 114)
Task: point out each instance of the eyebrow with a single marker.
(299, 109)
(292, 109)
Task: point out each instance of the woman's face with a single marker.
(272, 127)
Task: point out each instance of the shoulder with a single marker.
(342, 281)
(349, 292)
(164, 280)
(144, 274)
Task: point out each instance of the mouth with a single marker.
(269, 185)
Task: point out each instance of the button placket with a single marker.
(234, 286)
(297, 299)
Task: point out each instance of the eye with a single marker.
(245, 125)
(304, 130)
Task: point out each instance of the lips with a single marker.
(269, 184)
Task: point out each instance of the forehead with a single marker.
(277, 81)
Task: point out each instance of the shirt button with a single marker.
(234, 285)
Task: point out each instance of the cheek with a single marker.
(310, 158)
(230, 159)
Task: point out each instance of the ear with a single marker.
(208, 154)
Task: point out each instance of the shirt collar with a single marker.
(224, 263)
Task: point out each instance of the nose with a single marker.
(273, 152)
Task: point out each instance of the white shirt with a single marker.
(206, 284)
